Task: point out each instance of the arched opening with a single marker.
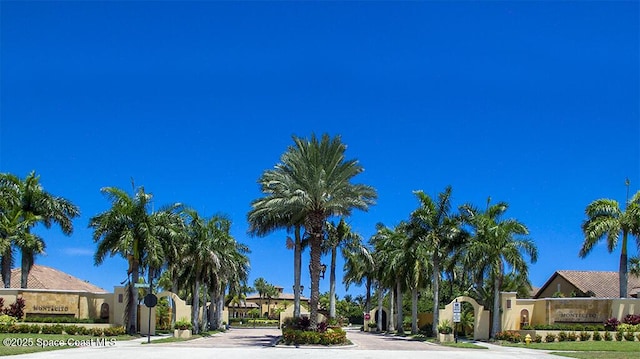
(384, 318)
(524, 318)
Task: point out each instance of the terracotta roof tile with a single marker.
(602, 284)
(42, 277)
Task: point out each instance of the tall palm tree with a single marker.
(318, 177)
(268, 214)
(497, 243)
(340, 235)
(29, 204)
(433, 227)
(359, 268)
(261, 286)
(605, 219)
(131, 230)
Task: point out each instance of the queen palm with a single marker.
(433, 229)
(497, 243)
(29, 204)
(319, 180)
(340, 235)
(605, 219)
(131, 230)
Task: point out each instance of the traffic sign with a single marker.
(456, 317)
(367, 316)
(141, 285)
(150, 300)
(457, 307)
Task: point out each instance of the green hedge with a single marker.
(60, 329)
(570, 327)
(42, 319)
(332, 336)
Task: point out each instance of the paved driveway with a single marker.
(257, 344)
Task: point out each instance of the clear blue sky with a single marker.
(533, 103)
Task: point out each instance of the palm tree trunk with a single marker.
(367, 303)
(623, 273)
(213, 294)
(297, 269)
(220, 306)
(332, 285)
(316, 240)
(379, 319)
(195, 306)
(133, 294)
(436, 293)
(392, 319)
(6, 267)
(174, 289)
(203, 324)
(399, 307)
(414, 311)
(27, 263)
(495, 326)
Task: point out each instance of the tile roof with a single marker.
(285, 296)
(602, 284)
(42, 277)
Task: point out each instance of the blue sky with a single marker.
(532, 103)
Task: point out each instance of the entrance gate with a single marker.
(480, 317)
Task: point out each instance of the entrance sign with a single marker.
(456, 317)
(457, 307)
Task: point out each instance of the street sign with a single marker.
(367, 316)
(457, 307)
(141, 285)
(150, 300)
(456, 317)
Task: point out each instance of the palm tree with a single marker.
(318, 181)
(497, 243)
(131, 230)
(605, 219)
(261, 286)
(29, 204)
(268, 214)
(433, 227)
(359, 267)
(340, 235)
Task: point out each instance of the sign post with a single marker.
(457, 310)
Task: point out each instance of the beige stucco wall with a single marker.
(481, 317)
(46, 302)
(576, 310)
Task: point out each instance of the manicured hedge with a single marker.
(60, 329)
(332, 336)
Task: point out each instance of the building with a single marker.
(573, 283)
(53, 293)
(269, 307)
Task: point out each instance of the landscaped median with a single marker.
(297, 332)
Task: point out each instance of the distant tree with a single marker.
(605, 219)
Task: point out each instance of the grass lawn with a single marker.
(463, 345)
(589, 350)
(19, 343)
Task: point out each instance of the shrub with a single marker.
(572, 336)
(24, 328)
(183, 324)
(585, 336)
(427, 329)
(16, 309)
(114, 331)
(372, 325)
(445, 327)
(633, 319)
(628, 336)
(597, 336)
(322, 327)
(331, 336)
(7, 319)
(562, 336)
(607, 336)
(550, 338)
(537, 338)
(70, 329)
(52, 329)
(611, 324)
(629, 327)
(96, 332)
(34, 329)
(619, 335)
